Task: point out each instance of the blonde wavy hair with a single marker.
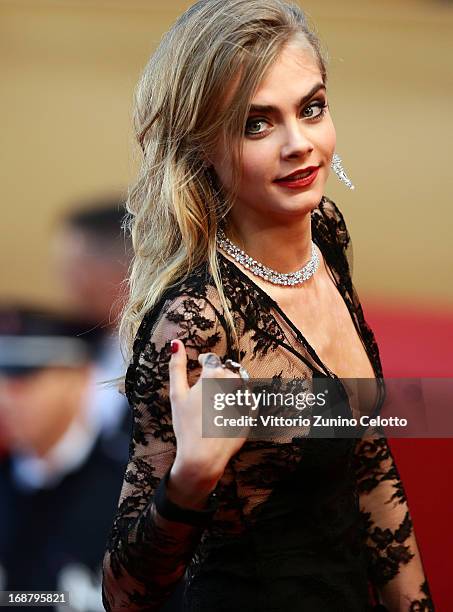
(180, 114)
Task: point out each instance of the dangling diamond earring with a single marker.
(339, 171)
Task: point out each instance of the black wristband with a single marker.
(172, 512)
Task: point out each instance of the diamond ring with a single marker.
(236, 367)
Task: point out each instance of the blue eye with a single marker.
(317, 110)
(252, 122)
(316, 105)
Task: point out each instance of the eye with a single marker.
(316, 110)
(252, 124)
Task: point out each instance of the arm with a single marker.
(394, 562)
(146, 553)
(395, 566)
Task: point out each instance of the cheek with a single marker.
(329, 136)
(256, 163)
(259, 159)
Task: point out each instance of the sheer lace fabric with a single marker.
(301, 524)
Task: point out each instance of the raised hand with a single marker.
(200, 462)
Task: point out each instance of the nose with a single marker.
(296, 141)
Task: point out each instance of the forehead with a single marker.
(296, 65)
(292, 74)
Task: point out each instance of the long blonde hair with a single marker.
(175, 205)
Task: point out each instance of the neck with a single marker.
(279, 245)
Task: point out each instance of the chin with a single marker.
(296, 211)
(310, 200)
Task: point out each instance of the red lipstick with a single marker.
(295, 181)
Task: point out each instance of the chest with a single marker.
(323, 318)
(326, 323)
(317, 309)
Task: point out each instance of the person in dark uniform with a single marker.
(60, 481)
(90, 257)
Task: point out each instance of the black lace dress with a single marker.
(302, 524)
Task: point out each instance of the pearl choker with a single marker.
(267, 274)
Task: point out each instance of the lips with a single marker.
(298, 183)
(297, 174)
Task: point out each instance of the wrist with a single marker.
(189, 486)
(195, 511)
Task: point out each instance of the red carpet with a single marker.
(417, 343)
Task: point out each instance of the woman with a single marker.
(237, 141)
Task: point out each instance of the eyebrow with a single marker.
(263, 108)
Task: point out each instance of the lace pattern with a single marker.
(320, 510)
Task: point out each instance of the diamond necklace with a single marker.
(267, 274)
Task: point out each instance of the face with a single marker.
(91, 281)
(34, 409)
(291, 131)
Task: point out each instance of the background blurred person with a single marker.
(91, 255)
(60, 483)
(3, 445)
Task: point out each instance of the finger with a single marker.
(209, 360)
(211, 366)
(227, 373)
(177, 368)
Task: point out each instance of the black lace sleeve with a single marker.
(394, 562)
(147, 554)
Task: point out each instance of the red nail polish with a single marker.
(174, 346)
